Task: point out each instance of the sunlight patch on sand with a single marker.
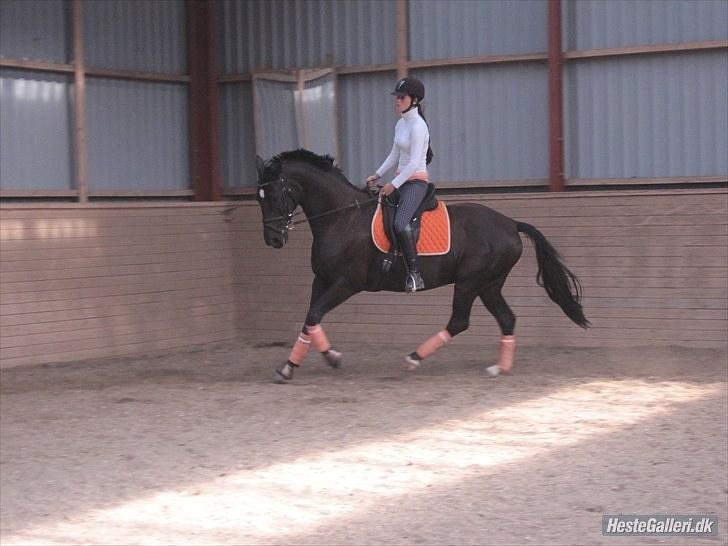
(287, 499)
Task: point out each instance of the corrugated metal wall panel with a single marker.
(96, 281)
(35, 131)
(591, 24)
(145, 35)
(488, 122)
(286, 34)
(38, 30)
(366, 123)
(647, 116)
(237, 135)
(137, 135)
(466, 28)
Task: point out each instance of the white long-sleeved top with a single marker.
(411, 139)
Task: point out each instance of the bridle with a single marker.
(290, 214)
(286, 199)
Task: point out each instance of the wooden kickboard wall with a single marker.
(81, 282)
(92, 281)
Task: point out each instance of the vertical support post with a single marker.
(556, 118)
(203, 100)
(79, 103)
(402, 38)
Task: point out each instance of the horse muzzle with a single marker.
(275, 238)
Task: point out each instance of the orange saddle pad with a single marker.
(434, 232)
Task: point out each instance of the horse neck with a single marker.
(320, 192)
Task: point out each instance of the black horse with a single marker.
(485, 246)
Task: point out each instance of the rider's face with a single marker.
(402, 102)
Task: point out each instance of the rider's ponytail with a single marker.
(430, 155)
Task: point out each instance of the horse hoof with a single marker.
(283, 374)
(412, 362)
(493, 371)
(333, 358)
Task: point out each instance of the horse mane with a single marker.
(324, 162)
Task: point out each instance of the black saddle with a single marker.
(389, 208)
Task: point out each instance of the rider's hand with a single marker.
(372, 180)
(387, 189)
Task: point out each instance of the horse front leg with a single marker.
(324, 297)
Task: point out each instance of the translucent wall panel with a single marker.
(647, 116)
(264, 34)
(366, 119)
(144, 35)
(35, 131)
(591, 24)
(39, 30)
(276, 117)
(466, 28)
(317, 107)
(237, 139)
(137, 135)
(489, 122)
(289, 118)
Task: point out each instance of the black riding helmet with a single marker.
(410, 86)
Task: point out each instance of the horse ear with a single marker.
(259, 165)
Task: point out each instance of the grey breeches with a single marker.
(410, 197)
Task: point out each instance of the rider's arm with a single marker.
(391, 160)
(418, 149)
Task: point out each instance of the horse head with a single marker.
(277, 203)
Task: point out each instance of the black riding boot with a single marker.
(407, 245)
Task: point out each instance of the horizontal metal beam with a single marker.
(41, 66)
(716, 179)
(646, 49)
(544, 183)
(136, 75)
(142, 193)
(92, 194)
(504, 59)
(38, 193)
(387, 67)
(482, 59)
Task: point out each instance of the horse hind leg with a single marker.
(497, 306)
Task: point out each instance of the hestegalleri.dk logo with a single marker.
(678, 524)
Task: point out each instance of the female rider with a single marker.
(412, 148)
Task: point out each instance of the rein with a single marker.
(290, 214)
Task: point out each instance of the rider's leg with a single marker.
(411, 195)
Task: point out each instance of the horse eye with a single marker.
(261, 193)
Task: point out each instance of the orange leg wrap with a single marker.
(318, 338)
(507, 352)
(433, 344)
(300, 349)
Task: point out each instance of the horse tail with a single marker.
(560, 284)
